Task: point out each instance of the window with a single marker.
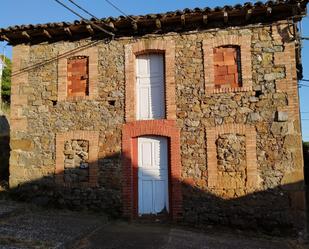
(78, 76)
(150, 87)
(227, 63)
(227, 68)
(77, 158)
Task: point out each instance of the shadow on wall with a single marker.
(306, 162)
(306, 173)
(4, 149)
(275, 211)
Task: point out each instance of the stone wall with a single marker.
(76, 164)
(266, 157)
(232, 163)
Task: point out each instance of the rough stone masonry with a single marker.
(240, 147)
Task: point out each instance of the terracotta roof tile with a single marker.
(171, 21)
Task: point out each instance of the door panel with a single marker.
(152, 175)
(147, 197)
(150, 76)
(158, 192)
(156, 96)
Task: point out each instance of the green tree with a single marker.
(6, 80)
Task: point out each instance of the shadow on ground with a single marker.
(277, 211)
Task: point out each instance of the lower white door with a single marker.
(152, 175)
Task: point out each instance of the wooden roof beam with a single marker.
(205, 19)
(248, 14)
(183, 20)
(25, 34)
(68, 31)
(134, 25)
(225, 17)
(158, 24)
(47, 34)
(5, 38)
(90, 29)
(111, 24)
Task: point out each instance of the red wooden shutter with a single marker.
(78, 78)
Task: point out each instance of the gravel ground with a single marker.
(121, 235)
(28, 227)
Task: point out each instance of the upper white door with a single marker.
(152, 175)
(150, 87)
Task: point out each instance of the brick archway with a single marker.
(130, 132)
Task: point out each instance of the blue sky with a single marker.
(16, 12)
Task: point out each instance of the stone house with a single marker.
(192, 114)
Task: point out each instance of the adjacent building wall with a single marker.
(240, 149)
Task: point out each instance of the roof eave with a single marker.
(177, 21)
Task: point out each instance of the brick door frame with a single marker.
(130, 132)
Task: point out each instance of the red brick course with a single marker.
(130, 132)
(289, 84)
(18, 121)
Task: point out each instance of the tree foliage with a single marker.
(6, 80)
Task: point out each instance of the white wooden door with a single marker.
(152, 175)
(150, 87)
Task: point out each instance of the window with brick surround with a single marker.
(227, 67)
(77, 158)
(230, 74)
(132, 53)
(150, 86)
(78, 76)
(84, 83)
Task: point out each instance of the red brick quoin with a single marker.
(130, 132)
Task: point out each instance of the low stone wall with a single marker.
(46, 194)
